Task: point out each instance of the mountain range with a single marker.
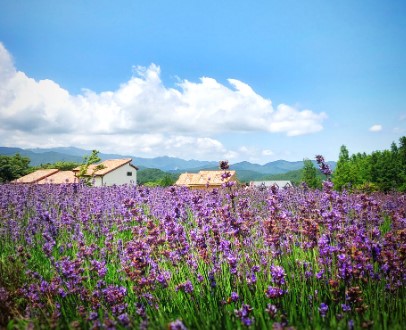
(174, 165)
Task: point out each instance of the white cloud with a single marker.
(142, 116)
(267, 152)
(376, 128)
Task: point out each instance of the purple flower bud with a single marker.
(223, 164)
(345, 308)
(271, 310)
(247, 321)
(124, 319)
(278, 275)
(274, 292)
(323, 309)
(234, 296)
(93, 316)
(177, 325)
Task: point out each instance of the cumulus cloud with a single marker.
(142, 115)
(376, 128)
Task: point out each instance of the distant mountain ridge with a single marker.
(40, 156)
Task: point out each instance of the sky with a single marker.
(239, 80)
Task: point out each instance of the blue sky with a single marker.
(209, 80)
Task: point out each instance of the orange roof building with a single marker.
(60, 177)
(204, 179)
(36, 176)
(108, 173)
(111, 172)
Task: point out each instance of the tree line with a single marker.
(379, 171)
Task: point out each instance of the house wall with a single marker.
(118, 176)
(97, 181)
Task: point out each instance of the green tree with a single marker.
(154, 176)
(309, 174)
(360, 170)
(381, 170)
(342, 174)
(13, 167)
(84, 167)
(401, 161)
(167, 181)
(384, 170)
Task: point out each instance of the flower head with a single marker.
(324, 168)
(323, 309)
(177, 325)
(234, 296)
(278, 275)
(274, 292)
(223, 164)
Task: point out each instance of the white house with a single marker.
(108, 173)
(111, 172)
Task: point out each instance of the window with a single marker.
(129, 173)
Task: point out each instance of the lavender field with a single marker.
(73, 256)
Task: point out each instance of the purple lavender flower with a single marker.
(243, 314)
(99, 267)
(278, 275)
(345, 307)
(140, 310)
(272, 310)
(212, 280)
(319, 274)
(255, 269)
(232, 261)
(186, 287)
(251, 279)
(161, 278)
(323, 309)
(319, 159)
(225, 175)
(274, 292)
(93, 316)
(223, 164)
(247, 321)
(118, 309)
(177, 325)
(114, 294)
(62, 292)
(234, 296)
(124, 319)
(324, 168)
